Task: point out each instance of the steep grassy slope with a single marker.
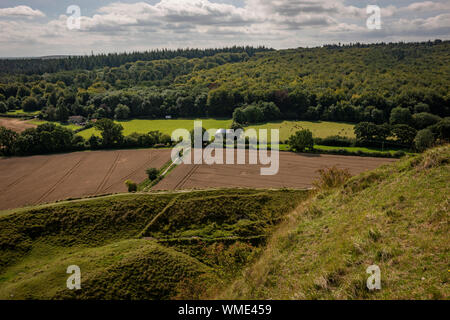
(141, 246)
(396, 217)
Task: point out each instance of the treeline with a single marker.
(90, 62)
(51, 138)
(384, 84)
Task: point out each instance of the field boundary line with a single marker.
(108, 173)
(64, 177)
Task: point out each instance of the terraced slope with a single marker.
(137, 246)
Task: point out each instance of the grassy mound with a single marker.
(141, 246)
(396, 217)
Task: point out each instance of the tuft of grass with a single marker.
(331, 178)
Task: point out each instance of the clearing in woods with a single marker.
(16, 124)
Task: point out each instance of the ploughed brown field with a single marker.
(41, 179)
(295, 171)
(15, 124)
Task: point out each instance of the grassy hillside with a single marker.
(396, 217)
(137, 246)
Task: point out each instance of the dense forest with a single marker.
(394, 89)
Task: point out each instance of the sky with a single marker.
(40, 27)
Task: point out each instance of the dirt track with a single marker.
(15, 124)
(296, 171)
(41, 179)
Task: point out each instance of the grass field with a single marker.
(287, 128)
(164, 126)
(20, 112)
(320, 129)
(68, 126)
(362, 149)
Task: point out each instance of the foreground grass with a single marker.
(396, 217)
(138, 246)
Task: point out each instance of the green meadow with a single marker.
(68, 126)
(320, 129)
(166, 126)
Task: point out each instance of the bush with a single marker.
(423, 120)
(423, 140)
(3, 107)
(301, 140)
(400, 115)
(29, 104)
(331, 178)
(152, 173)
(132, 186)
(121, 112)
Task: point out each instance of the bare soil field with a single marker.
(41, 179)
(295, 171)
(16, 124)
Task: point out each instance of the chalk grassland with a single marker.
(295, 171)
(287, 128)
(140, 246)
(396, 217)
(41, 179)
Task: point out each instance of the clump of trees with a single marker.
(301, 141)
(152, 173)
(402, 135)
(256, 113)
(132, 186)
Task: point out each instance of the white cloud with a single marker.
(428, 6)
(201, 23)
(20, 12)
